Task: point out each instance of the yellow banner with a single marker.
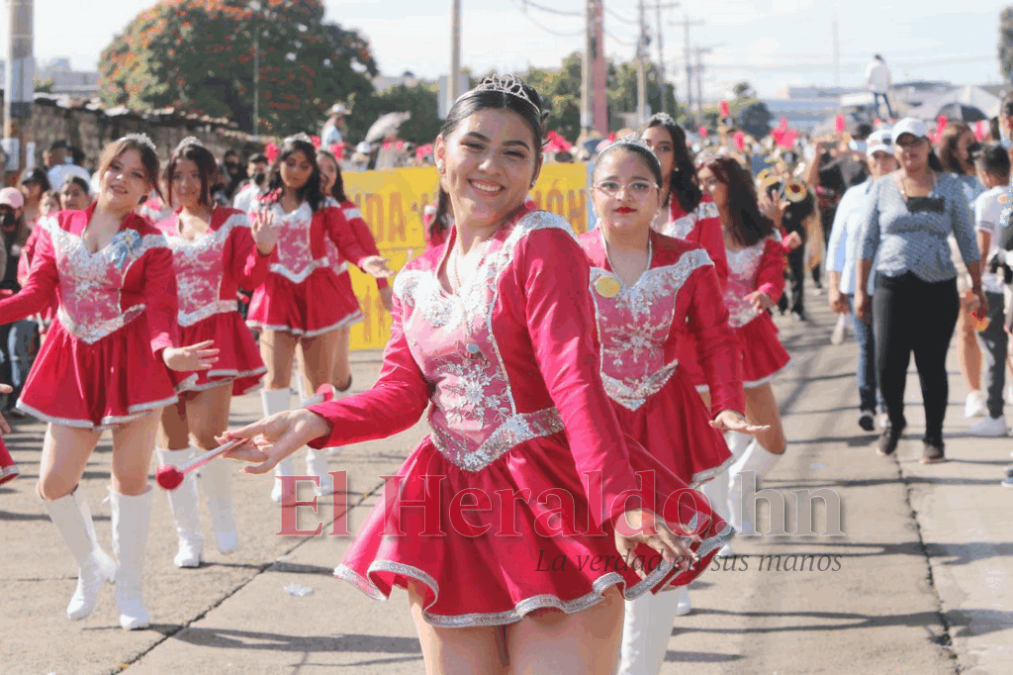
(392, 203)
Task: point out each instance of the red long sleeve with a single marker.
(396, 402)
(161, 302)
(770, 274)
(560, 318)
(337, 229)
(364, 236)
(40, 288)
(27, 253)
(716, 344)
(712, 238)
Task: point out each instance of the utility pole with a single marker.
(837, 54)
(600, 72)
(661, 63)
(642, 66)
(453, 87)
(20, 83)
(700, 51)
(687, 52)
(586, 76)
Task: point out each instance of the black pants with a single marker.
(911, 315)
(796, 263)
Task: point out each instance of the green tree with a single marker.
(560, 93)
(420, 101)
(45, 86)
(622, 91)
(1006, 43)
(198, 56)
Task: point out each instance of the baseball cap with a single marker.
(910, 125)
(12, 197)
(879, 141)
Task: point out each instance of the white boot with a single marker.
(758, 460)
(316, 460)
(130, 536)
(647, 628)
(183, 502)
(716, 491)
(73, 520)
(737, 443)
(216, 479)
(276, 401)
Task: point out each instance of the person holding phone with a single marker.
(910, 215)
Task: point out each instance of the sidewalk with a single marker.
(919, 584)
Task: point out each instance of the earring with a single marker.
(439, 165)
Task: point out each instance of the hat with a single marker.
(338, 109)
(12, 197)
(363, 148)
(910, 125)
(879, 141)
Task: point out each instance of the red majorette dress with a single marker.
(521, 429)
(101, 364)
(364, 237)
(439, 237)
(47, 315)
(302, 295)
(641, 329)
(701, 227)
(209, 272)
(8, 467)
(759, 267)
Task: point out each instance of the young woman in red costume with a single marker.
(8, 467)
(334, 188)
(301, 303)
(111, 361)
(496, 338)
(215, 252)
(651, 291)
(755, 282)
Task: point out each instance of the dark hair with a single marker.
(748, 226)
(796, 213)
(338, 189)
(230, 152)
(682, 183)
(1006, 104)
(257, 158)
(80, 182)
(948, 147)
(36, 175)
(440, 220)
(995, 160)
(149, 159)
(59, 145)
(878, 57)
(310, 192)
(206, 167)
(637, 147)
(478, 99)
(993, 130)
(861, 131)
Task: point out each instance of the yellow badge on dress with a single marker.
(607, 287)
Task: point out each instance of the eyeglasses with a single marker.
(637, 188)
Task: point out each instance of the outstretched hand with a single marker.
(273, 439)
(649, 529)
(730, 420)
(376, 266)
(200, 356)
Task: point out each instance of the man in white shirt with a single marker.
(256, 169)
(877, 80)
(59, 166)
(993, 166)
(334, 127)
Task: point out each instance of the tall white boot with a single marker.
(716, 491)
(647, 628)
(758, 460)
(216, 479)
(737, 443)
(72, 518)
(183, 502)
(131, 515)
(316, 460)
(276, 401)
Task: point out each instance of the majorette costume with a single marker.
(701, 227)
(364, 237)
(759, 267)
(101, 364)
(302, 295)
(209, 271)
(8, 467)
(510, 366)
(24, 267)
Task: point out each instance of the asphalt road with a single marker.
(920, 582)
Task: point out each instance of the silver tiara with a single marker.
(190, 140)
(304, 137)
(143, 139)
(664, 118)
(505, 84)
(627, 140)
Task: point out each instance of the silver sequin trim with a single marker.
(295, 244)
(512, 432)
(633, 396)
(769, 378)
(95, 332)
(742, 268)
(217, 307)
(109, 422)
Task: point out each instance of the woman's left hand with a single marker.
(647, 528)
(759, 300)
(376, 266)
(265, 229)
(200, 356)
(273, 439)
(730, 420)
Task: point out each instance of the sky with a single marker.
(770, 43)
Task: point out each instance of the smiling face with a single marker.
(125, 183)
(489, 164)
(328, 173)
(296, 169)
(626, 197)
(660, 141)
(186, 183)
(881, 163)
(73, 197)
(912, 152)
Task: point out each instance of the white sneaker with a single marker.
(990, 426)
(683, 607)
(975, 406)
(837, 337)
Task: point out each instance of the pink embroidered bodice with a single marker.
(743, 275)
(682, 226)
(91, 283)
(474, 414)
(295, 256)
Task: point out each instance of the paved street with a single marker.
(920, 583)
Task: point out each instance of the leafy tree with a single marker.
(45, 86)
(1006, 43)
(743, 90)
(198, 55)
(622, 91)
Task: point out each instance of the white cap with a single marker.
(880, 140)
(910, 125)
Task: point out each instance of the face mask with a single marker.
(259, 178)
(8, 221)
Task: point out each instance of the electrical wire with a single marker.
(550, 10)
(546, 28)
(625, 43)
(616, 15)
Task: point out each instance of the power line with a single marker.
(550, 10)
(615, 15)
(547, 29)
(625, 43)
